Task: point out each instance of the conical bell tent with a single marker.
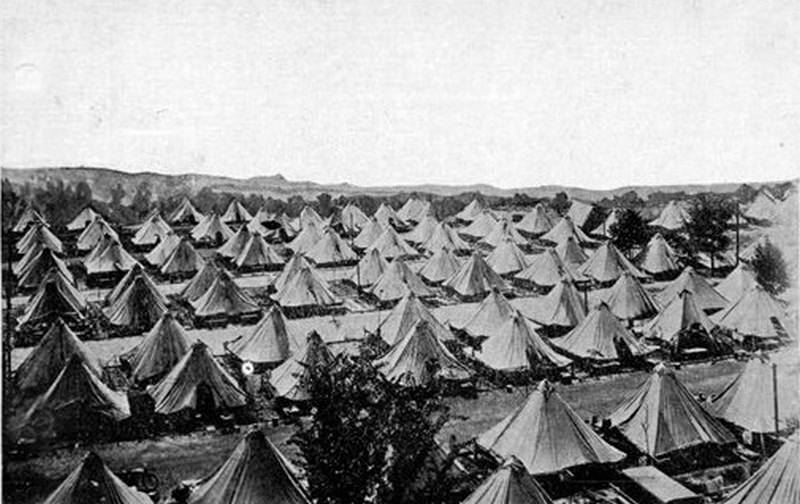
(705, 296)
(136, 271)
(444, 237)
(370, 232)
(236, 212)
(776, 482)
(756, 314)
(38, 268)
(662, 417)
(510, 484)
(224, 297)
(28, 218)
(290, 379)
(186, 213)
(571, 254)
(93, 482)
(310, 217)
(257, 253)
(306, 239)
(211, 229)
(405, 315)
(93, 233)
(369, 269)
(162, 347)
(83, 219)
(738, 281)
(163, 250)
(392, 246)
(561, 307)
(255, 472)
(492, 313)
(235, 244)
(423, 231)
(180, 388)
(503, 230)
(200, 283)
(270, 342)
(536, 222)
(515, 346)
(152, 231)
(628, 300)
(544, 270)
(481, 226)
(55, 297)
(677, 320)
(77, 401)
(440, 266)
(674, 216)
(419, 357)
(114, 259)
(388, 217)
(184, 260)
(41, 367)
(295, 264)
(566, 229)
(579, 212)
(471, 211)
(507, 258)
(748, 400)
(306, 288)
(139, 306)
(658, 258)
(331, 250)
(607, 264)
(601, 336)
(397, 281)
(475, 278)
(547, 436)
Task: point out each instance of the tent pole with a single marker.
(737, 233)
(775, 395)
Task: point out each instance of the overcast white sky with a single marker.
(590, 93)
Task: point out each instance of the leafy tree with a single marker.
(324, 204)
(141, 199)
(368, 440)
(709, 216)
(629, 232)
(117, 193)
(561, 203)
(10, 203)
(770, 268)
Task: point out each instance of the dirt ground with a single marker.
(179, 457)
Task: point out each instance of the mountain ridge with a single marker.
(102, 180)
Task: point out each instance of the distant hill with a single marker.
(102, 180)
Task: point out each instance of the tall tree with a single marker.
(629, 232)
(560, 203)
(709, 216)
(368, 439)
(770, 268)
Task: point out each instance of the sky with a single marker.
(596, 94)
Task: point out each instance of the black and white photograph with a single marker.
(400, 252)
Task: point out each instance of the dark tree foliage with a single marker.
(11, 204)
(629, 232)
(770, 268)
(560, 203)
(709, 216)
(369, 440)
(142, 199)
(324, 206)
